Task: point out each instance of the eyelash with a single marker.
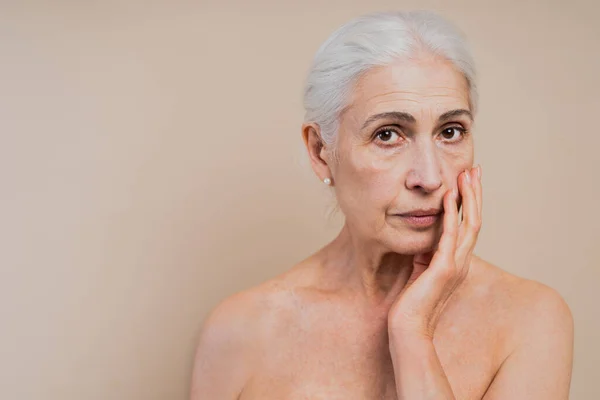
(462, 130)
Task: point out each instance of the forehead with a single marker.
(428, 86)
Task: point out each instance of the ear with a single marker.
(317, 152)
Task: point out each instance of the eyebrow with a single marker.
(406, 117)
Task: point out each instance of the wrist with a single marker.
(409, 340)
(409, 333)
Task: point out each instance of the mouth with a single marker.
(421, 218)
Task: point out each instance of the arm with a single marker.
(221, 363)
(540, 365)
(413, 317)
(418, 371)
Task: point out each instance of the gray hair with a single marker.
(371, 40)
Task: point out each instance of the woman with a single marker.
(397, 306)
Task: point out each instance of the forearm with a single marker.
(417, 370)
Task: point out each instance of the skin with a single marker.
(388, 310)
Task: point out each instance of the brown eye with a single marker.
(387, 136)
(453, 133)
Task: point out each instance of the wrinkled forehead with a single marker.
(425, 88)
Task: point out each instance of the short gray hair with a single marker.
(371, 40)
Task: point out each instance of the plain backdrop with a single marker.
(151, 164)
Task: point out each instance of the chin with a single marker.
(412, 242)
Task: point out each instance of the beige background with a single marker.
(151, 164)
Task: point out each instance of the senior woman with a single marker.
(397, 306)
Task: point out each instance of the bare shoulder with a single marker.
(248, 315)
(223, 353)
(514, 291)
(534, 329)
(233, 336)
(523, 306)
(242, 317)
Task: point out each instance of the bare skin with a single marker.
(389, 310)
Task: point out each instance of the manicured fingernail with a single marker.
(454, 193)
(468, 176)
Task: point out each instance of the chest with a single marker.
(333, 361)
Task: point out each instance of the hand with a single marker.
(419, 305)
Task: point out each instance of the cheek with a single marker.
(453, 164)
(369, 181)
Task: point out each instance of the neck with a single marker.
(366, 268)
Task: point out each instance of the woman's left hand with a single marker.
(437, 274)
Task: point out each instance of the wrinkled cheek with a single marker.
(383, 179)
(453, 165)
(372, 185)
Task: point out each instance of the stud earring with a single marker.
(327, 181)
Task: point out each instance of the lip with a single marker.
(421, 222)
(421, 218)
(422, 212)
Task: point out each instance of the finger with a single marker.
(462, 193)
(441, 269)
(476, 180)
(469, 227)
(447, 244)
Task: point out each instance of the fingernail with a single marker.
(479, 172)
(468, 176)
(454, 193)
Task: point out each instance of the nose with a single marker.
(424, 173)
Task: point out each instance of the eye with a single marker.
(387, 136)
(453, 134)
